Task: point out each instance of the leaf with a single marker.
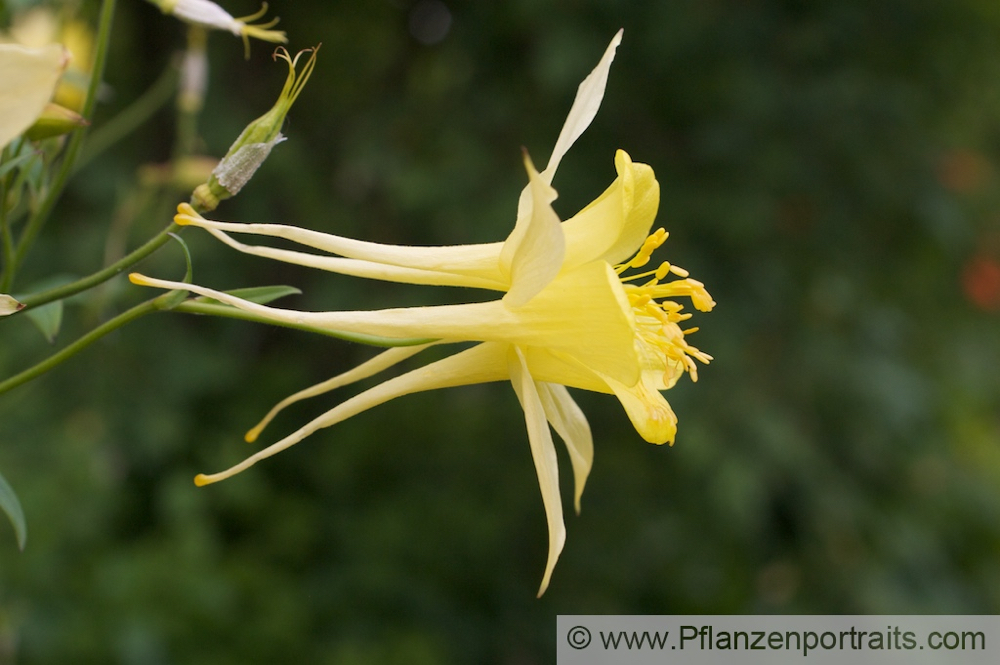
(257, 294)
(10, 505)
(47, 318)
(9, 166)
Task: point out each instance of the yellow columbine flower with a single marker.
(27, 78)
(569, 316)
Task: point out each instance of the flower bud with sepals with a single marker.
(254, 144)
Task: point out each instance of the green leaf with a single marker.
(8, 166)
(10, 505)
(47, 318)
(256, 294)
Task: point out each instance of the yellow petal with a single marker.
(649, 412)
(568, 420)
(543, 452)
(480, 364)
(27, 78)
(559, 367)
(538, 251)
(583, 314)
(617, 222)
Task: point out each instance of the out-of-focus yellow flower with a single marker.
(183, 173)
(27, 78)
(40, 27)
(570, 314)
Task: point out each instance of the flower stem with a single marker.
(79, 345)
(6, 238)
(127, 261)
(37, 220)
(130, 118)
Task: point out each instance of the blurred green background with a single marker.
(828, 170)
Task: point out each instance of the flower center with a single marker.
(657, 318)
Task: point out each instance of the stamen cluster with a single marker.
(657, 319)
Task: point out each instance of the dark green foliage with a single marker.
(828, 170)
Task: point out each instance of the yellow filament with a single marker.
(656, 317)
(261, 31)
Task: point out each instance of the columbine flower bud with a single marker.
(210, 15)
(254, 145)
(55, 120)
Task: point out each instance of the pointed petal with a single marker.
(613, 227)
(568, 420)
(543, 452)
(584, 109)
(477, 262)
(538, 255)
(480, 364)
(366, 369)
(28, 77)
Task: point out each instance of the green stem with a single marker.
(130, 118)
(37, 221)
(6, 239)
(190, 101)
(153, 244)
(80, 344)
(212, 309)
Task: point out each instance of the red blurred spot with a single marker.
(963, 171)
(981, 282)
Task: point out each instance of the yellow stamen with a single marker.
(261, 31)
(657, 318)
